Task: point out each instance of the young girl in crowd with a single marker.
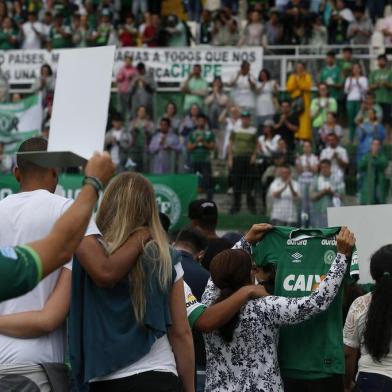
(133, 336)
(242, 355)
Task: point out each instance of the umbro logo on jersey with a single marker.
(296, 257)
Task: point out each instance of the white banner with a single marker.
(20, 121)
(169, 65)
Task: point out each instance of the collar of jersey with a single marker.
(302, 234)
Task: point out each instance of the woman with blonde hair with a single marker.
(133, 336)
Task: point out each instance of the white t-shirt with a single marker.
(31, 39)
(354, 329)
(284, 208)
(328, 153)
(160, 358)
(355, 88)
(269, 146)
(242, 93)
(27, 217)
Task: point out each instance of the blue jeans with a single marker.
(371, 382)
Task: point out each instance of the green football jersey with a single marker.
(302, 257)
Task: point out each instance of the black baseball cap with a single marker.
(203, 210)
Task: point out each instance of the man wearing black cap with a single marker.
(203, 214)
(241, 162)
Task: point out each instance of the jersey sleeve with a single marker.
(351, 336)
(20, 271)
(194, 309)
(264, 252)
(296, 310)
(354, 265)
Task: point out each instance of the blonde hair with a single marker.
(128, 205)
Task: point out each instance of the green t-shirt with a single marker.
(201, 153)
(4, 36)
(57, 40)
(104, 31)
(346, 66)
(383, 94)
(333, 75)
(302, 257)
(20, 271)
(190, 99)
(244, 141)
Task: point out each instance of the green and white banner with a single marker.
(173, 192)
(20, 121)
(168, 65)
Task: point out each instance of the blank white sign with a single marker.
(81, 101)
(371, 226)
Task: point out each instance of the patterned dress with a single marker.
(249, 363)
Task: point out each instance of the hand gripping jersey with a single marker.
(302, 257)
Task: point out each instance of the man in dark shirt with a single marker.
(203, 214)
(286, 124)
(191, 244)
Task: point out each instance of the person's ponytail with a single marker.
(378, 329)
(230, 270)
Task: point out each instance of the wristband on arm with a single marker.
(95, 182)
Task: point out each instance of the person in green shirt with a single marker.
(346, 62)
(331, 75)
(59, 34)
(177, 36)
(380, 82)
(372, 171)
(201, 144)
(104, 30)
(8, 35)
(23, 267)
(195, 88)
(241, 160)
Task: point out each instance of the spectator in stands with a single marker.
(8, 35)
(338, 156)
(139, 7)
(372, 168)
(163, 147)
(242, 85)
(326, 191)
(81, 32)
(266, 91)
(142, 90)
(105, 33)
(331, 75)
(172, 115)
(346, 62)
(253, 34)
(124, 80)
(195, 88)
(231, 119)
(367, 331)
(113, 139)
(330, 126)
(368, 103)
(376, 9)
(268, 143)
(241, 161)
(307, 166)
(225, 32)
(319, 34)
(319, 109)
(285, 194)
(360, 30)
(188, 125)
(299, 86)
(355, 88)
(287, 124)
(32, 33)
(203, 215)
(297, 28)
(5, 160)
(141, 128)
(45, 84)
(274, 29)
(128, 33)
(148, 31)
(176, 32)
(216, 102)
(200, 145)
(366, 132)
(380, 82)
(344, 11)
(204, 32)
(59, 34)
(338, 25)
